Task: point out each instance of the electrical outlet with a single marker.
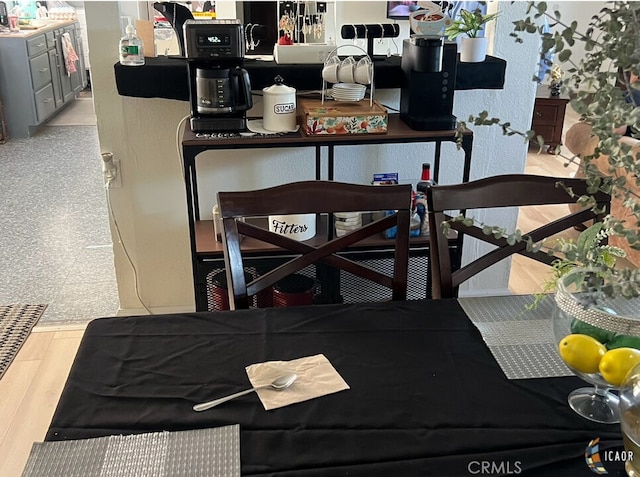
(113, 173)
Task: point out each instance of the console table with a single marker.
(207, 253)
(548, 117)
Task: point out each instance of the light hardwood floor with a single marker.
(31, 387)
(528, 275)
(29, 393)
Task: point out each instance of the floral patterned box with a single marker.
(334, 117)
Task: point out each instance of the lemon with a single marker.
(581, 352)
(603, 336)
(616, 363)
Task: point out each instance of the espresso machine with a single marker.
(219, 86)
(429, 79)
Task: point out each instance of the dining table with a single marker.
(452, 387)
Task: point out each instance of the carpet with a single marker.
(16, 322)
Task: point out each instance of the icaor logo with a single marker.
(596, 461)
(592, 456)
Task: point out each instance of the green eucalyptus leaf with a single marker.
(564, 55)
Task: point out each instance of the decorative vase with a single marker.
(554, 88)
(473, 50)
(582, 308)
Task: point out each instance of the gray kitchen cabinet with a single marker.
(34, 83)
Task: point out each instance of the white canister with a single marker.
(279, 101)
(295, 226)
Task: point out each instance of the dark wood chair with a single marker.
(313, 197)
(514, 190)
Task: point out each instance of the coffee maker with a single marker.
(4, 16)
(429, 79)
(219, 86)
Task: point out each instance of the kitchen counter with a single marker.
(35, 80)
(28, 33)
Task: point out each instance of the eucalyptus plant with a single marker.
(606, 94)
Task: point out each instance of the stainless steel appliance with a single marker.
(4, 15)
(429, 79)
(219, 86)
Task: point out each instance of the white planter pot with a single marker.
(473, 50)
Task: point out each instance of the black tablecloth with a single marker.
(426, 397)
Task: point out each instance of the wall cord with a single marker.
(121, 242)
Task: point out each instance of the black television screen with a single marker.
(401, 10)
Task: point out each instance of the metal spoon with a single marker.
(283, 382)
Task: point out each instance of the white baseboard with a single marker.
(157, 310)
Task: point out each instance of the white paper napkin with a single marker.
(316, 377)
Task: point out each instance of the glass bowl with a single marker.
(581, 308)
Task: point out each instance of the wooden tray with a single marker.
(335, 117)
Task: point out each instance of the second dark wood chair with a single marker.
(313, 197)
(515, 190)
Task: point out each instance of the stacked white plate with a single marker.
(346, 222)
(348, 91)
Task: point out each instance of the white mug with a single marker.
(364, 71)
(346, 70)
(330, 70)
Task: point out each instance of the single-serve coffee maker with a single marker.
(429, 79)
(219, 86)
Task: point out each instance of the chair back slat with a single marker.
(313, 197)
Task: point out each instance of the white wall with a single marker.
(582, 12)
(151, 208)
(494, 153)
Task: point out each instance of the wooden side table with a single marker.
(548, 117)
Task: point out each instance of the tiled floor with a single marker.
(55, 244)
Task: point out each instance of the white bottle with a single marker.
(131, 50)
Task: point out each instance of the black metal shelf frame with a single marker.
(192, 147)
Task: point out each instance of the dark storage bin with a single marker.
(294, 290)
(220, 291)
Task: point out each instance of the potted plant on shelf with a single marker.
(606, 95)
(473, 48)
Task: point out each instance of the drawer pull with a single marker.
(48, 100)
(40, 45)
(43, 70)
(537, 114)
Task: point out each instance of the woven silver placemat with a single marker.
(197, 453)
(520, 340)
(16, 323)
